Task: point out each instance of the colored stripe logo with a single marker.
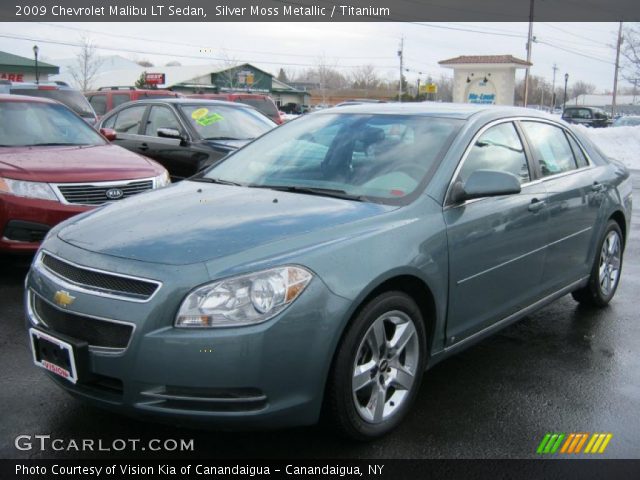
(574, 443)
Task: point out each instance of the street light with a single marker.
(35, 54)
(564, 102)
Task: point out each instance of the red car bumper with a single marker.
(24, 220)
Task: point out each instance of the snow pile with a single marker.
(621, 143)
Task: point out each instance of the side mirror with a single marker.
(169, 133)
(485, 183)
(109, 134)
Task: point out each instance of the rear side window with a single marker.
(119, 99)
(551, 148)
(99, 103)
(499, 148)
(129, 119)
(581, 159)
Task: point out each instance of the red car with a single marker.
(53, 165)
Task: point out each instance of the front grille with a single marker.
(102, 282)
(97, 333)
(96, 194)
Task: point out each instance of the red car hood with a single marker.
(75, 164)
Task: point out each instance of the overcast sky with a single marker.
(584, 50)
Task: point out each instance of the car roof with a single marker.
(5, 97)
(435, 109)
(188, 101)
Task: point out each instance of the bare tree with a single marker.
(228, 70)
(631, 53)
(86, 65)
(365, 77)
(581, 88)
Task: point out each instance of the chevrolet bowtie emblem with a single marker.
(64, 299)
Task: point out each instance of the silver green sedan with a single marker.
(326, 265)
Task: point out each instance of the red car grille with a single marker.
(96, 194)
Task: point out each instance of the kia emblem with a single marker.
(114, 193)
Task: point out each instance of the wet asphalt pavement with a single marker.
(563, 369)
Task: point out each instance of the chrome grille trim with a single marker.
(94, 193)
(36, 320)
(58, 278)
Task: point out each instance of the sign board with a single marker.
(154, 78)
(481, 91)
(12, 77)
(429, 88)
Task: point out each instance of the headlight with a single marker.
(162, 180)
(243, 300)
(20, 188)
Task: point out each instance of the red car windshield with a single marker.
(30, 124)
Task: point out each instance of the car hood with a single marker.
(74, 164)
(194, 222)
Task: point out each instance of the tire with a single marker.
(606, 270)
(394, 323)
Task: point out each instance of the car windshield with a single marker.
(40, 124)
(263, 105)
(71, 98)
(222, 122)
(628, 121)
(379, 158)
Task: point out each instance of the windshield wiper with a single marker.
(324, 192)
(215, 180)
(226, 138)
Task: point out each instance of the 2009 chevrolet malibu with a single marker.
(326, 265)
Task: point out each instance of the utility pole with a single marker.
(553, 88)
(615, 74)
(529, 41)
(400, 53)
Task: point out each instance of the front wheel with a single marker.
(378, 367)
(605, 273)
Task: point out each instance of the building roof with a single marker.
(12, 63)
(485, 59)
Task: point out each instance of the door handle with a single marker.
(597, 187)
(144, 147)
(536, 205)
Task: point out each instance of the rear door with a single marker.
(574, 198)
(496, 244)
(128, 125)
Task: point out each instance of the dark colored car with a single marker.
(106, 99)
(263, 103)
(326, 265)
(53, 165)
(59, 91)
(185, 135)
(587, 116)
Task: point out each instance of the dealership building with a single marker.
(489, 79)
(21, 69)
(205, 79)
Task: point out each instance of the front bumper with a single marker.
(267, 375)
(41, 213)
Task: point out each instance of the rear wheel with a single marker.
(605, 274)
(378, 367)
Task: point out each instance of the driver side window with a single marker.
(499, 148)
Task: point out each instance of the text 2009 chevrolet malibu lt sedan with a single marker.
(326, 265)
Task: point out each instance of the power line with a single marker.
(163, 54)
(199, 46)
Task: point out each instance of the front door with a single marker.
(496, 244)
